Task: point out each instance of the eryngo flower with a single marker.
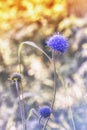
(58, 42)
(44, 111)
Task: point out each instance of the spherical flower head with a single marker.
(44, 111)
(58, 43)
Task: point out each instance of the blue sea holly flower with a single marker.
(58, 42)
(44, 111)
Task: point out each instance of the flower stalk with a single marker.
(16, 78)
(20, 104)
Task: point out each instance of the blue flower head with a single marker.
(58, 42)
(44, 111)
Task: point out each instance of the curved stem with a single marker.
(54, 88)
(53, 65)
(19, 54)
(33, 45)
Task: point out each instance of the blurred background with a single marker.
(36, 20)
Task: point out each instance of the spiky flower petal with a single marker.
(58, 42)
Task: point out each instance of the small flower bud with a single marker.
(44, 111)
(16, 76)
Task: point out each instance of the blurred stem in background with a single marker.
(54, 86)
(65, 86)
(16, 78)
(20, 105)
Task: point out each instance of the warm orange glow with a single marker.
(30, 10)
